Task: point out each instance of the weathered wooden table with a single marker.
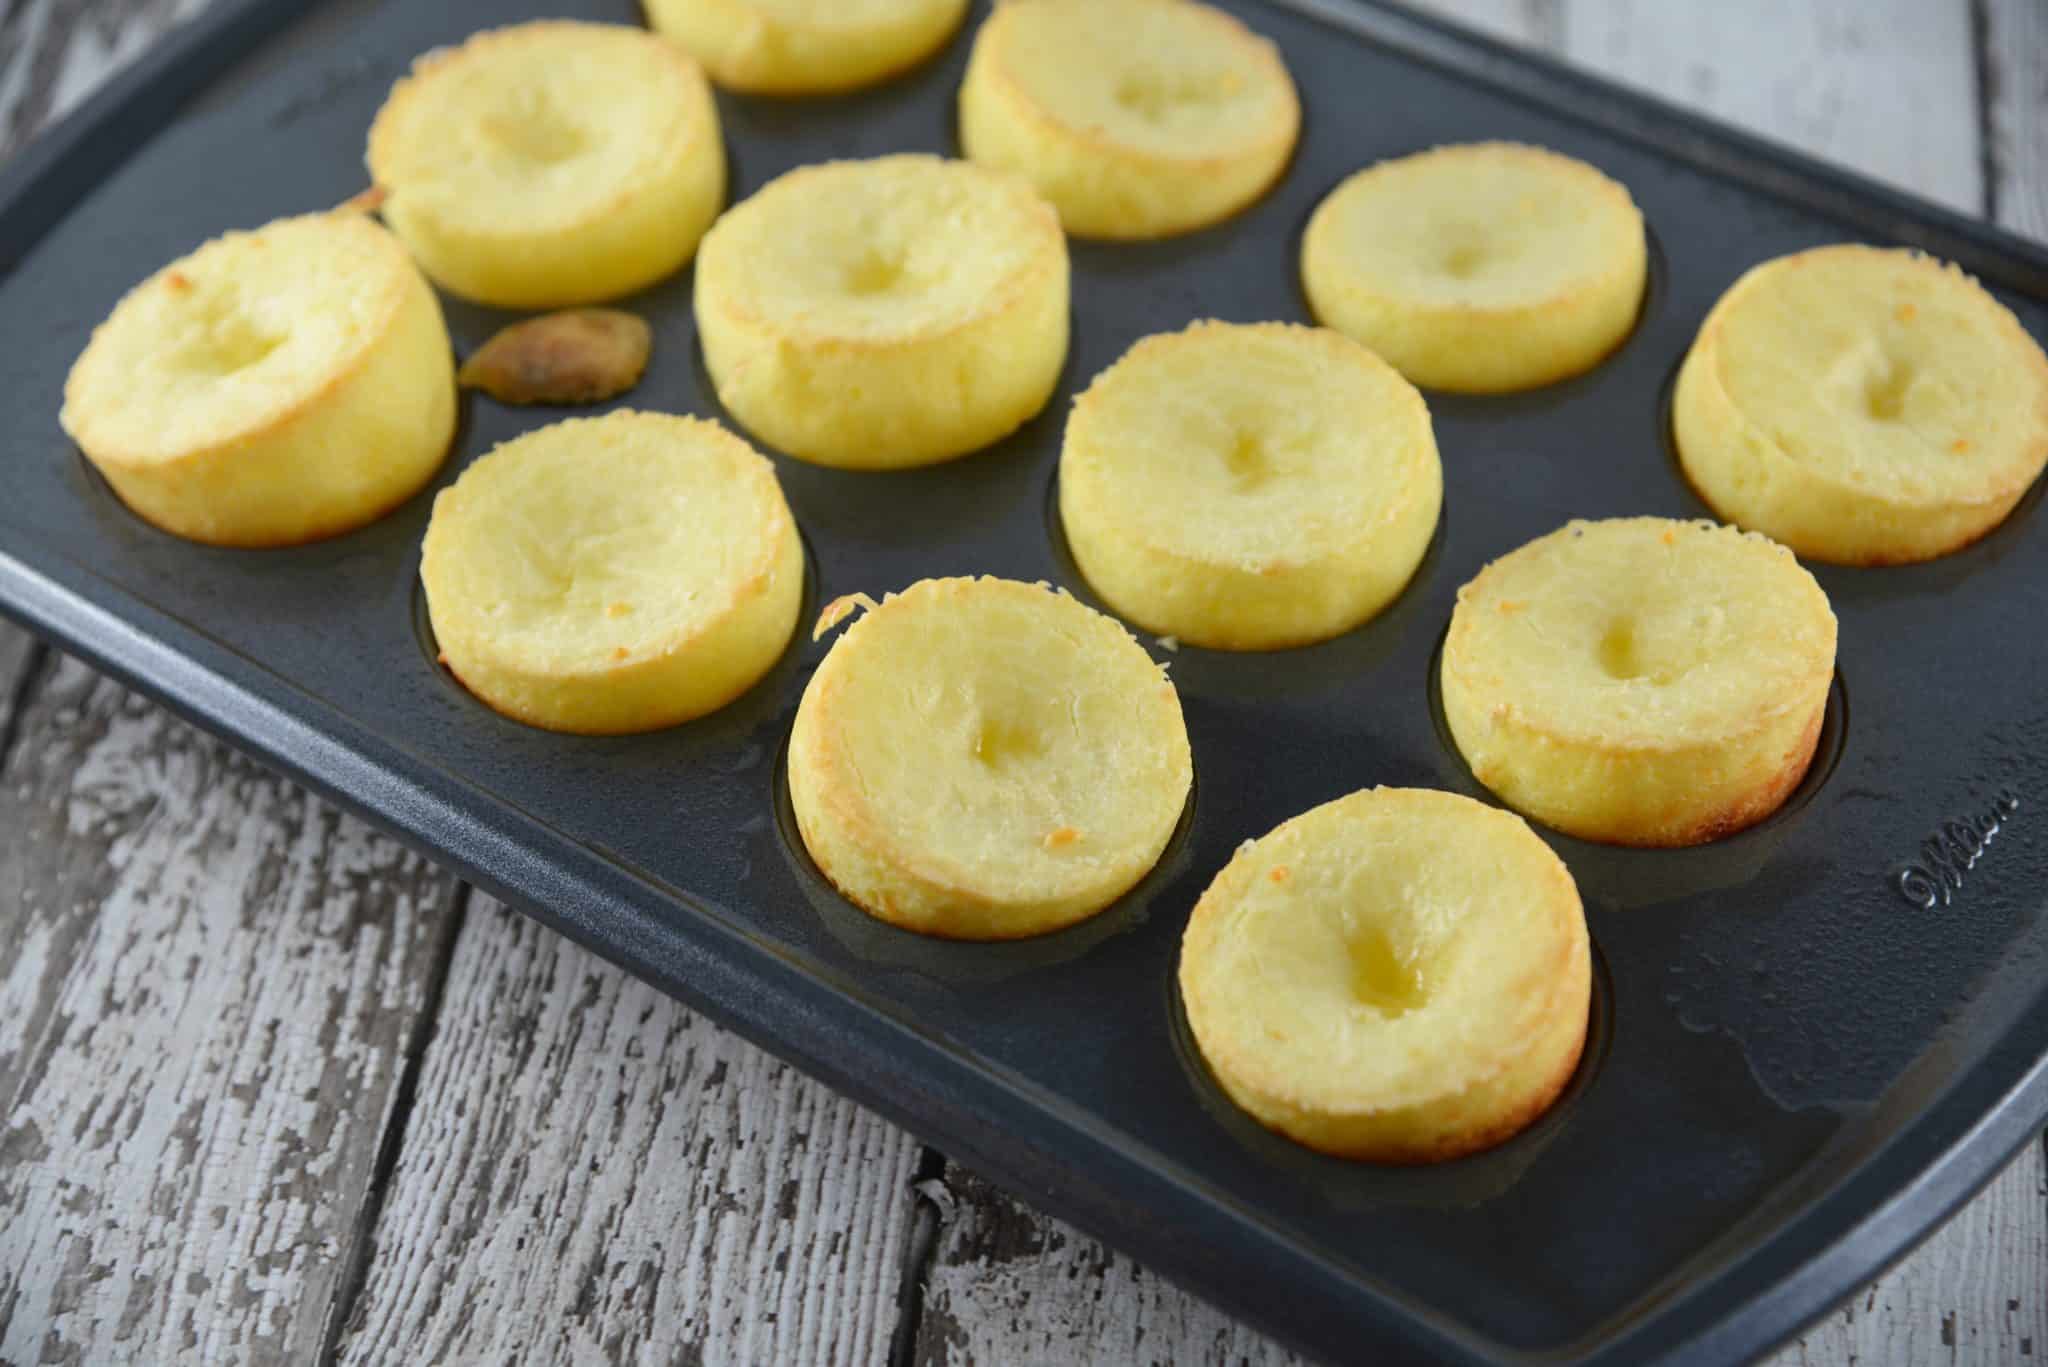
(277, 1090)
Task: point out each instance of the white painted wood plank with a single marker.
(2016, 87)
(121, 33)
(1010, 1285)
(208, 982)
(55, 52)
(1887, 87)
(593, 1174)
(22, 30)
(1975, 1292)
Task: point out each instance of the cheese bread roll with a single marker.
(1863, 406)
(1399, 975)
(1640, 681)
(983, 760)
(1136, 118)
(613, 574)
(273, 387)
(550, 163)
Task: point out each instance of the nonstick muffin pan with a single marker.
(1811, 1041)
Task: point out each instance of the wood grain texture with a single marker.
(2015, 61)
(1887, 87)
(1010, 1285)
(1975, 1292)
(54, 52)
(210, 983)
(594, 1174)
(1890, 89)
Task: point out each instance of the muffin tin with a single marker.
(1811, 1040)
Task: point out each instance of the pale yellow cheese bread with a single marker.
(1400, 975)
(1640, 681)
(884, 313)
(550, 163)
(1481, 267)
(1863, 406)
(1136, 118)
(805, 47)
(613, 574)
(984, 760)
(273, 387)
(1249, 486)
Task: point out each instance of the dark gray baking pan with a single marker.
(1812, 1040)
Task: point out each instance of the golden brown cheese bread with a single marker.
(805, 47)
(550, 163)
(884, 313)
(613, 574)
(1640, 681)
(1136, 118)
(1249, 486)
(1400, 975)
(273, 387)
(1863, 406)
(984, 760)
(1480, 267)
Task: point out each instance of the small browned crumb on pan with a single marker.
(839, 609)
(572, 357)
(364, 201)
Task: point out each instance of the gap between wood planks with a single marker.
(931, 1206)
(1987, 150)
(362, 1245)
(28, 657)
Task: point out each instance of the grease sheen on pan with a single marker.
(550, 163)
(272, 387)
(1136, 118)
(805, 47)
(1862, 405)
(1249, 486)
(984, 759)
(1479, 267)
(1400, 975)
(613, 574)
(1640, 681)
(884, 313)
